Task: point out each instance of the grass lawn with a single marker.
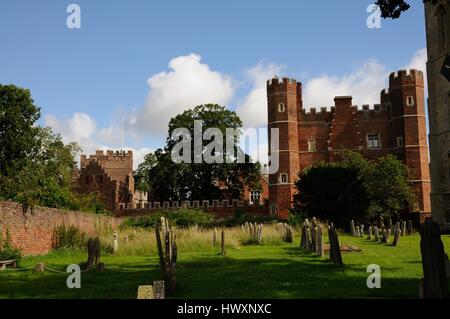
(269, 271)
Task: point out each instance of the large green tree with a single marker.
(167, 180)
(355, 188)
(18, 114)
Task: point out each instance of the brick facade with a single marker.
(110, 175)
(396, 126)
(32, 231)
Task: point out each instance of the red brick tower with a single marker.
(406, 95)
(284, 104)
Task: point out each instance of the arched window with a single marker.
(281, 108)
(442, 27)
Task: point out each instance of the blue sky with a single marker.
(86, 80)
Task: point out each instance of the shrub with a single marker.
(180, 218)
(7, 251)
(68, 238)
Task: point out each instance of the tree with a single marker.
(381, 189)
(392, 8)
(18, 114)
(333, 192)
(166, 180)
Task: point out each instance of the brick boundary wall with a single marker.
(220, 208)
(32, 231)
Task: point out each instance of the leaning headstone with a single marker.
(376, 233)
(320, 249)
(159, 290)
(145, 292)
(397, 233)
(403, 232)
(358, 232)
(335, 248)
(39, 267)
(410, 228)
(352, 228)
(435, 285)
(369, 233)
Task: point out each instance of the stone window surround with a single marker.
(378, 139)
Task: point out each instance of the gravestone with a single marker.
(362, 230)
(145, 292)
(384, 237)
(313, 243)
(358, 232)
(335, 248)
(320, 247)
(369, 233)
(93, 247)
(39, 267)
(410, 228)
(352, 228)
(159, 290)
(115, 243)
(433, 261)
(376, 233)
(397, 233)
(389, 226)
(222, 244)
(260, 234)
(403, 232)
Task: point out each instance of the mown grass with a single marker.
(272, 270)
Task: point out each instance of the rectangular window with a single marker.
(373, 141)
(283, 178)
(410, 101)
(311, 145)
(255, 197)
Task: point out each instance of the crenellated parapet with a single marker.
(175, 205)
(406, 77)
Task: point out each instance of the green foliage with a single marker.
(168, 181)
(68, 238)
(7, 251)
(354, 188)
(329, 191)
(180, 218)
(392, 8)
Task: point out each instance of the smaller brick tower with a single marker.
(406, 96)
(110, 175)
(284, 105)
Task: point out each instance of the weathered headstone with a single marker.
(260, 228)
(384, 236)
(410, 228)
(403, 232)
(320, 247)
(358, 232)
(369, 233)
(362, 230)
(93, 247)
(397, 233)
(335, 248)
(352, 228)
(145, 292)
(159, 290)
(39, 267)
(313, 243)
(222, 244)
(376, 233)
(305, 241)
(435, 283)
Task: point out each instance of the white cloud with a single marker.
(364, 84)
(188, 83)
(419, 62)
(253, 109)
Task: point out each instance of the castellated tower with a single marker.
(284, 102)
(110, 175)
(406, 96)
(396, 126)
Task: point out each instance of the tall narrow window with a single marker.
(283, 178)
(410, 101)
(281, 108)
(311, 145)
(442, 27)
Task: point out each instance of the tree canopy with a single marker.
(392, 8)
(166, 180)
(354, 188)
